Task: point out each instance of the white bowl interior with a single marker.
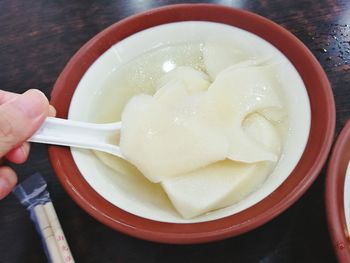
(149, 201)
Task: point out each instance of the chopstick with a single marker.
(52, 233)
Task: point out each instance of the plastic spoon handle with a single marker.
(101, 137)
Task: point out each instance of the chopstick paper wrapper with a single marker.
(33, 195)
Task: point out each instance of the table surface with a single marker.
(37, 38)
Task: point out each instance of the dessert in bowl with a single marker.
(185, 79)
(104, 80)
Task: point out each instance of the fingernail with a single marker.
(25, 147)
(52, 111)
(4, 188)
(33, 103)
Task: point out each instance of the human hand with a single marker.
(20, 116)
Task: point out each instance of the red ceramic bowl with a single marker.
(306, 171)
(334, 196)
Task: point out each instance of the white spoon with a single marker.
(101, 137)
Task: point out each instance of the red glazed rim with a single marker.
(334, 196)
(314, 156)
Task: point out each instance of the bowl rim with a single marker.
(284, 196)
(334, 195)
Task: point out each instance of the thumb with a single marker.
(20, 117)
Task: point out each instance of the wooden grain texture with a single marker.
(37, 38)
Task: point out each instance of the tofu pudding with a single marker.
(208, 125)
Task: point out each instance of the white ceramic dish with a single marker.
(135, 198)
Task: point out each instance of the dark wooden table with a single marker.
(38, 37)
